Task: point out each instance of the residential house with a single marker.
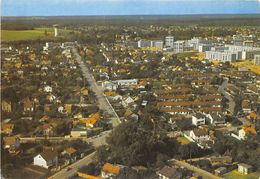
(11, 143)
(7, 128)
(128, 100)
(169, 173)
(44, 118)
(110, 171)
(46, 159)
(91, 121)
(246, 106)
(128, 82)
(87, 176)
(28, 105)
(242, 133)
(199, 135)
(198, 119)
(117, 97)
(45, 130)
(216, 119)
(110, 86)
(129, 114)
(244, 168)
(82, 91)
(47, 107)
(71, 153)
(68, 108)
(6, 106)
(48, 89)
(78, 132)
(220, 171)
(78, 115)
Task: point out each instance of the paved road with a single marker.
(65, 173)
(231, 102)
(96, 141)
(203, 173)
(103, 103)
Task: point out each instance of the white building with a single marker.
(196, 42)
(169, 40)
(130, 82)
(150, 43)
(157, 44)
(199, 135)
(48, 89)
(198, 119)
(179, 46)
(144, 43)
(257, 59)
(204, 47)
(244, 168)
(46, 159)
(226, 56)
(56, 31)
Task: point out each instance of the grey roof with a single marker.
(199, 115)
(169, 172)
(244, 165)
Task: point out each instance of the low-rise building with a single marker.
(198, 119)
(110, 171)
(46, 159)
(244, 168)
(12, 143)
(199, 135)
(169, 173)
(257, 59)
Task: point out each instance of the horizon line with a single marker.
(91, 15)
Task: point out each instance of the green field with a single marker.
(37, 33)
(236, 175)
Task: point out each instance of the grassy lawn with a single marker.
(236, 175)
(37, 33)
(186, 54)
(183, 140)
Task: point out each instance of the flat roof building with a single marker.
(257, 59)
(169, 40)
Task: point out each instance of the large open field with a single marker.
(37, 33)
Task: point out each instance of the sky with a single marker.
(127, 7)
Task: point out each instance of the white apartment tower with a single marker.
(169, 40)
(56, 32)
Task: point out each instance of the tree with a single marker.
(219, 147)
(189, 150)
(136, 143)
(102, 154)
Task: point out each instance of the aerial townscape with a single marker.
(130, 97)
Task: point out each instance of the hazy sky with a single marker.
(127, 7)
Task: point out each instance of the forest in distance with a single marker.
(29, 23)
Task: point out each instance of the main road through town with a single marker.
(231, 102)
(105, 106)
(103, 103)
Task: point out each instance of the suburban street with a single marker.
(96, 141)
(221, 89)
(67, 173)
(103, 103)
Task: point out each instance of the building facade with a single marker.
(257, 59)
(169, 40)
